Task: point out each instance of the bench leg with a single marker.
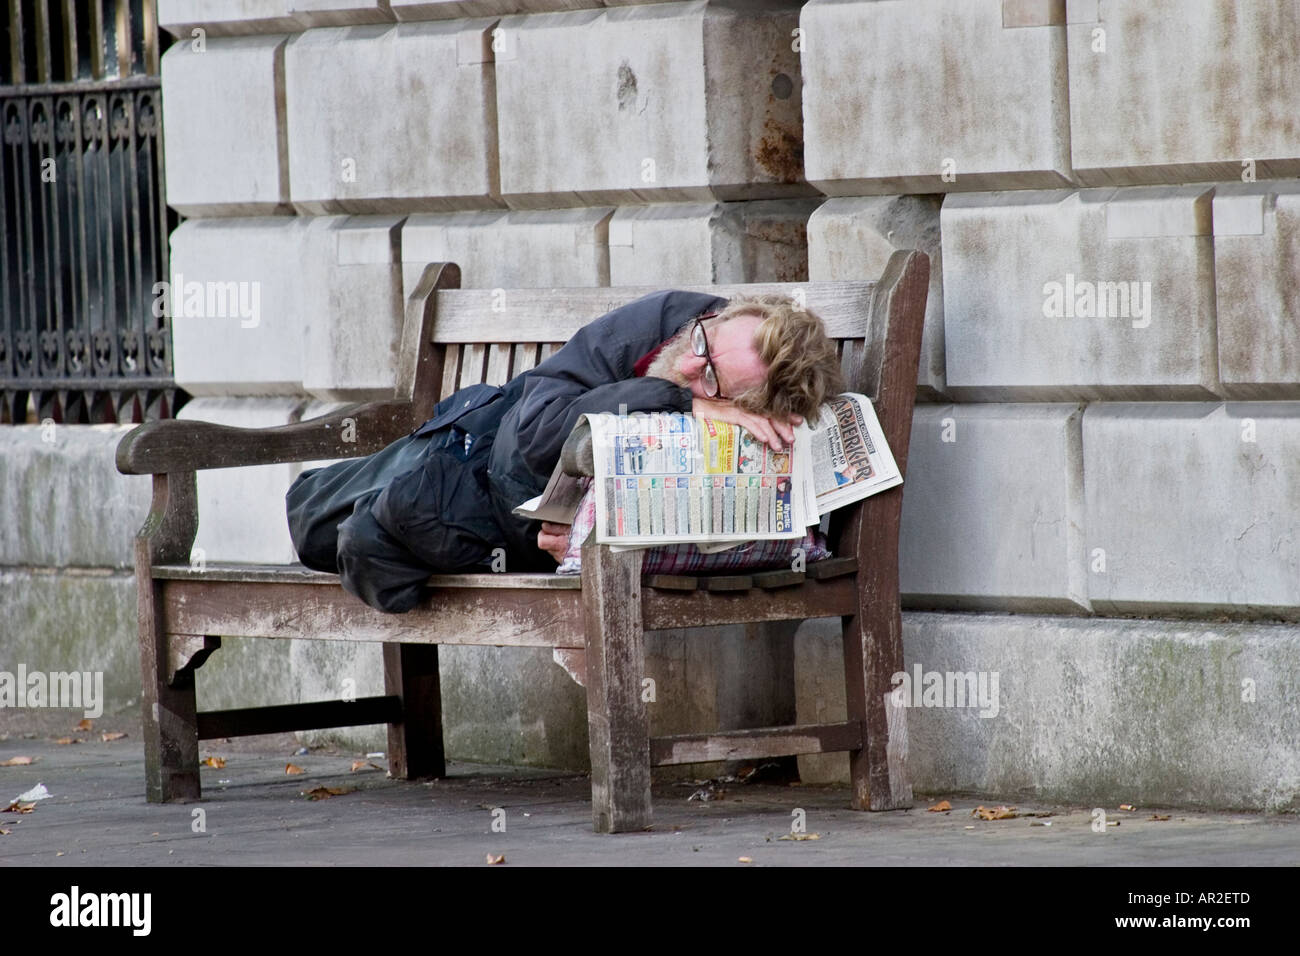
(170, 712)
(617, 722)
(415, 747)
(170, 716)
(873, 652)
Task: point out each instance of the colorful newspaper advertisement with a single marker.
(667, 477)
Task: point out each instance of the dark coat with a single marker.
(440, 500)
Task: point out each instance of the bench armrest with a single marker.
(178, 446)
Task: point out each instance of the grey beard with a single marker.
(664, 365)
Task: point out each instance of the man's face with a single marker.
(731, 346)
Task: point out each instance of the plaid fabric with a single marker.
(687, 558)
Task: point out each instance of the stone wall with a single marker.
(1098, 507)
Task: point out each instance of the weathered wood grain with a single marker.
(541, 617)
(617, 723)
(555, 314)
(755, 744)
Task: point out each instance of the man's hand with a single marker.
(554, 539)
(774, 432)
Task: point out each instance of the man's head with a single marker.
(770, 356)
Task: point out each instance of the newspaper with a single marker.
(665, 478)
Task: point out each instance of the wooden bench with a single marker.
(185, 610)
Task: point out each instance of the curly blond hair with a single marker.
(803, 369)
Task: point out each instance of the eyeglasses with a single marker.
(700, 345)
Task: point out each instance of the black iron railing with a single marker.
(85, 215)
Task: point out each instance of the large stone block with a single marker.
(1256, 260)
(392, 118)
(223, 118)
(73, 619)
(279, 306)
(1193, 507)
(934, 95)
(241, 510)
(444, 9)
(854, 238)
(1101, 712)
(993, 509)
(706, 243)
(226, 17)
(511, 250)
(341, 13)
(352, 307)
(237, 305)
(1183, 90)
(64, 501)
(654, 103)
(1096, 294)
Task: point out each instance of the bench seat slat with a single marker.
(297, 574)
(544, 617)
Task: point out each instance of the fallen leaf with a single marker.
(363, 764)
(1127, 806)
(17, 762)
(800, 836)
(496, 858)
(991, 813)
(1159, 816)
(64, 741)
(217, 762)
(293, 768)
(3, 832)
(1040, 813)
(744, 859)
(110, 736)
(85, 723)
(324, 793)
(17, 807)
(941, 807)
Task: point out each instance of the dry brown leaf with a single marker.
(494, 858)
(744, 859)
(1160, 816)
(293, 768)
(941, 807)
(17, 807)
(1127, 806)
(800, 836)
(85, 723)
(64, 741)
(16, 762)
(110, 736)
(217, 762)
(324, 793)
(994, 813)
(363, 764)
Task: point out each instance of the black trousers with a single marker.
(387, 521)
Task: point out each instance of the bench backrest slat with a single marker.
(553, 315)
